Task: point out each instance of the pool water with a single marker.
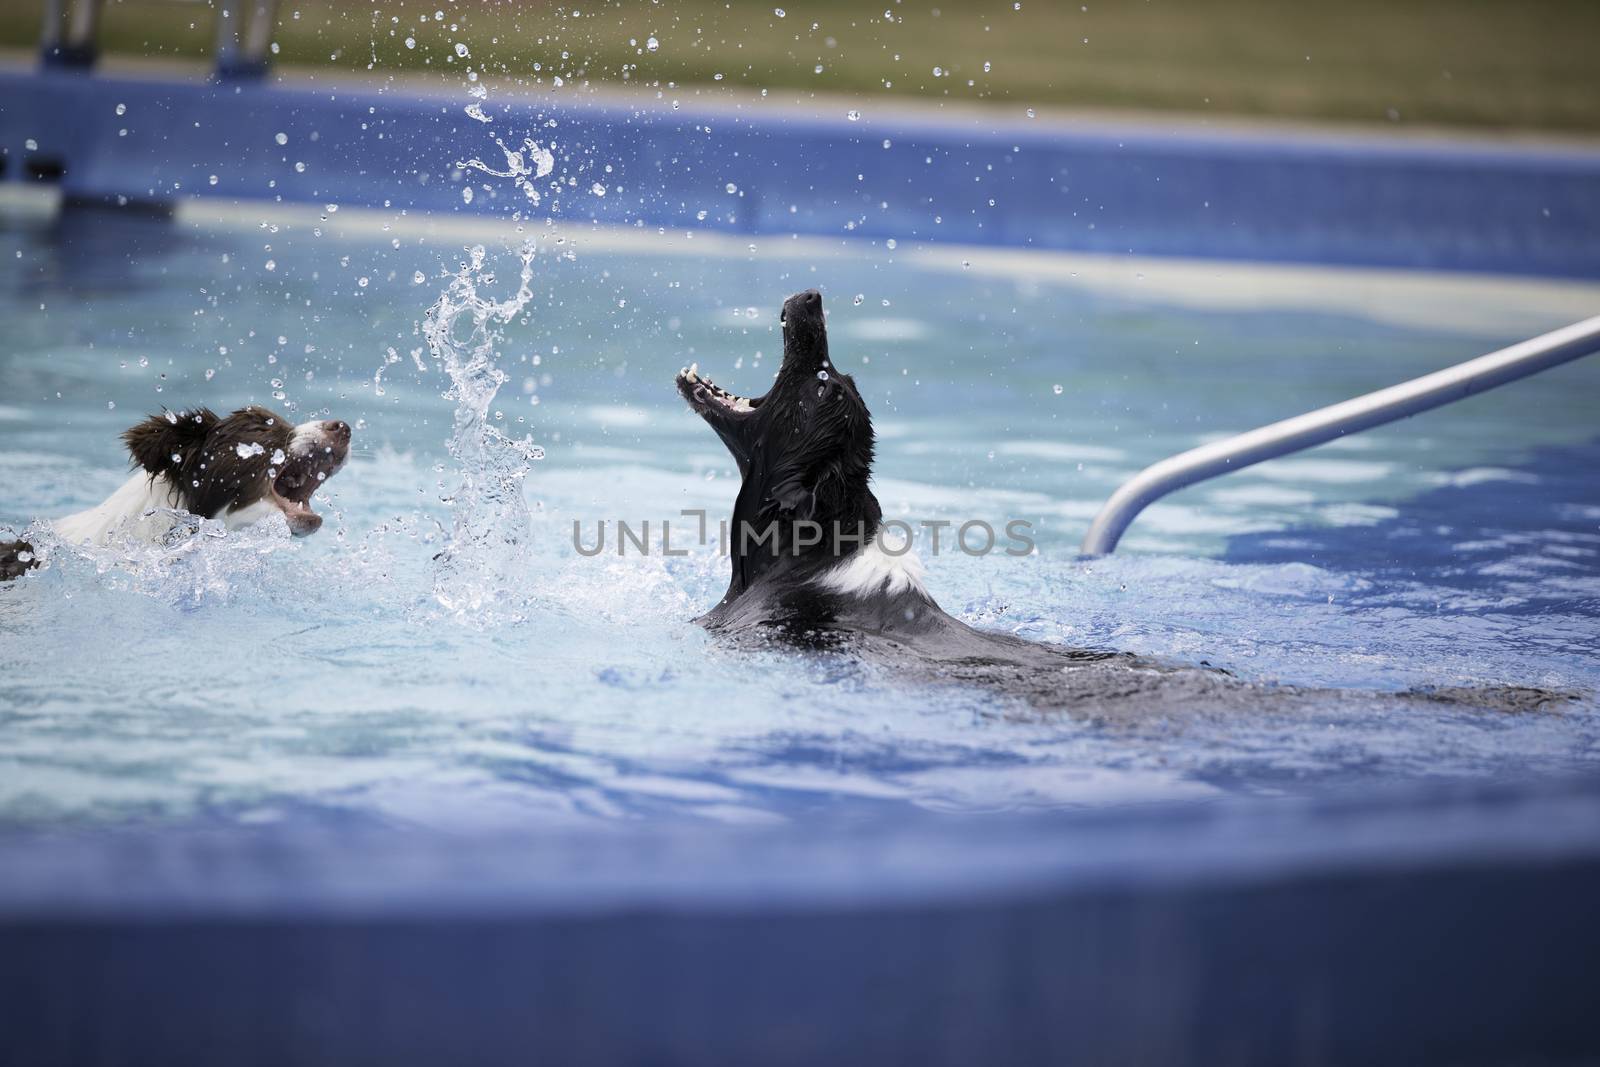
(253, 678)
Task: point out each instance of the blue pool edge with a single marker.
(1441, 922)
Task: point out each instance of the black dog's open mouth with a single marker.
(707, 396)
(302, 475)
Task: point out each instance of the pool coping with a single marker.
(1314, 196)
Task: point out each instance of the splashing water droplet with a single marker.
(651, 44)
(122, 109)
(533, 161)
(859, 298)
(780, 12)
(411, 42)
(597, 189)
(1056, 389)
(281, 138)
(853, 115)
(490, 518)
(461, 50)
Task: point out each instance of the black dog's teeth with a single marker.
(691, 374)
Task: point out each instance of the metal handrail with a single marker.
(70, 28)
(67, 36)
(244, 36)
(1351, 416)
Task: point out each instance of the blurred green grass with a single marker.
(1482, 63)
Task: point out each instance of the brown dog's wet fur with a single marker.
(16, 559)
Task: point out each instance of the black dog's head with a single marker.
(240, 466)
(804, 450)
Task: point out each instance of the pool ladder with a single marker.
(1337, 420)
(68, 39)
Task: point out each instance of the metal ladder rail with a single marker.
(1351, 416)
(70, 30)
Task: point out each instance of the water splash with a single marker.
(475, 573)
(524, 167)
(193, 562)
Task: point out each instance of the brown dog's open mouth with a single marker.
(301, 476)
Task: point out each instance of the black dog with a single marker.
(808, 565)
(238, 468)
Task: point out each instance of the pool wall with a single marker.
(1004, 180)
(1427, 925)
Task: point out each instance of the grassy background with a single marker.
(1526, 64)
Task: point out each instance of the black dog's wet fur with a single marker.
(804, 452)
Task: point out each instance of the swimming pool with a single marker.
(253, 679)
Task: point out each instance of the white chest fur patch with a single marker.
(872, 571)
(136, 510)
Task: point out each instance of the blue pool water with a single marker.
(347, 677)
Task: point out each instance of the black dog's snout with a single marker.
(804, 307)
(338, 429)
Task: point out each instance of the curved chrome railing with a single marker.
(1352, 416)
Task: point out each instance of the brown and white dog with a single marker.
(238, 468)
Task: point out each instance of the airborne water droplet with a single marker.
(651, 44)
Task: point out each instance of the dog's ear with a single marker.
(155, 442)
(793, 498)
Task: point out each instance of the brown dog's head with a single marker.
(237, 467)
